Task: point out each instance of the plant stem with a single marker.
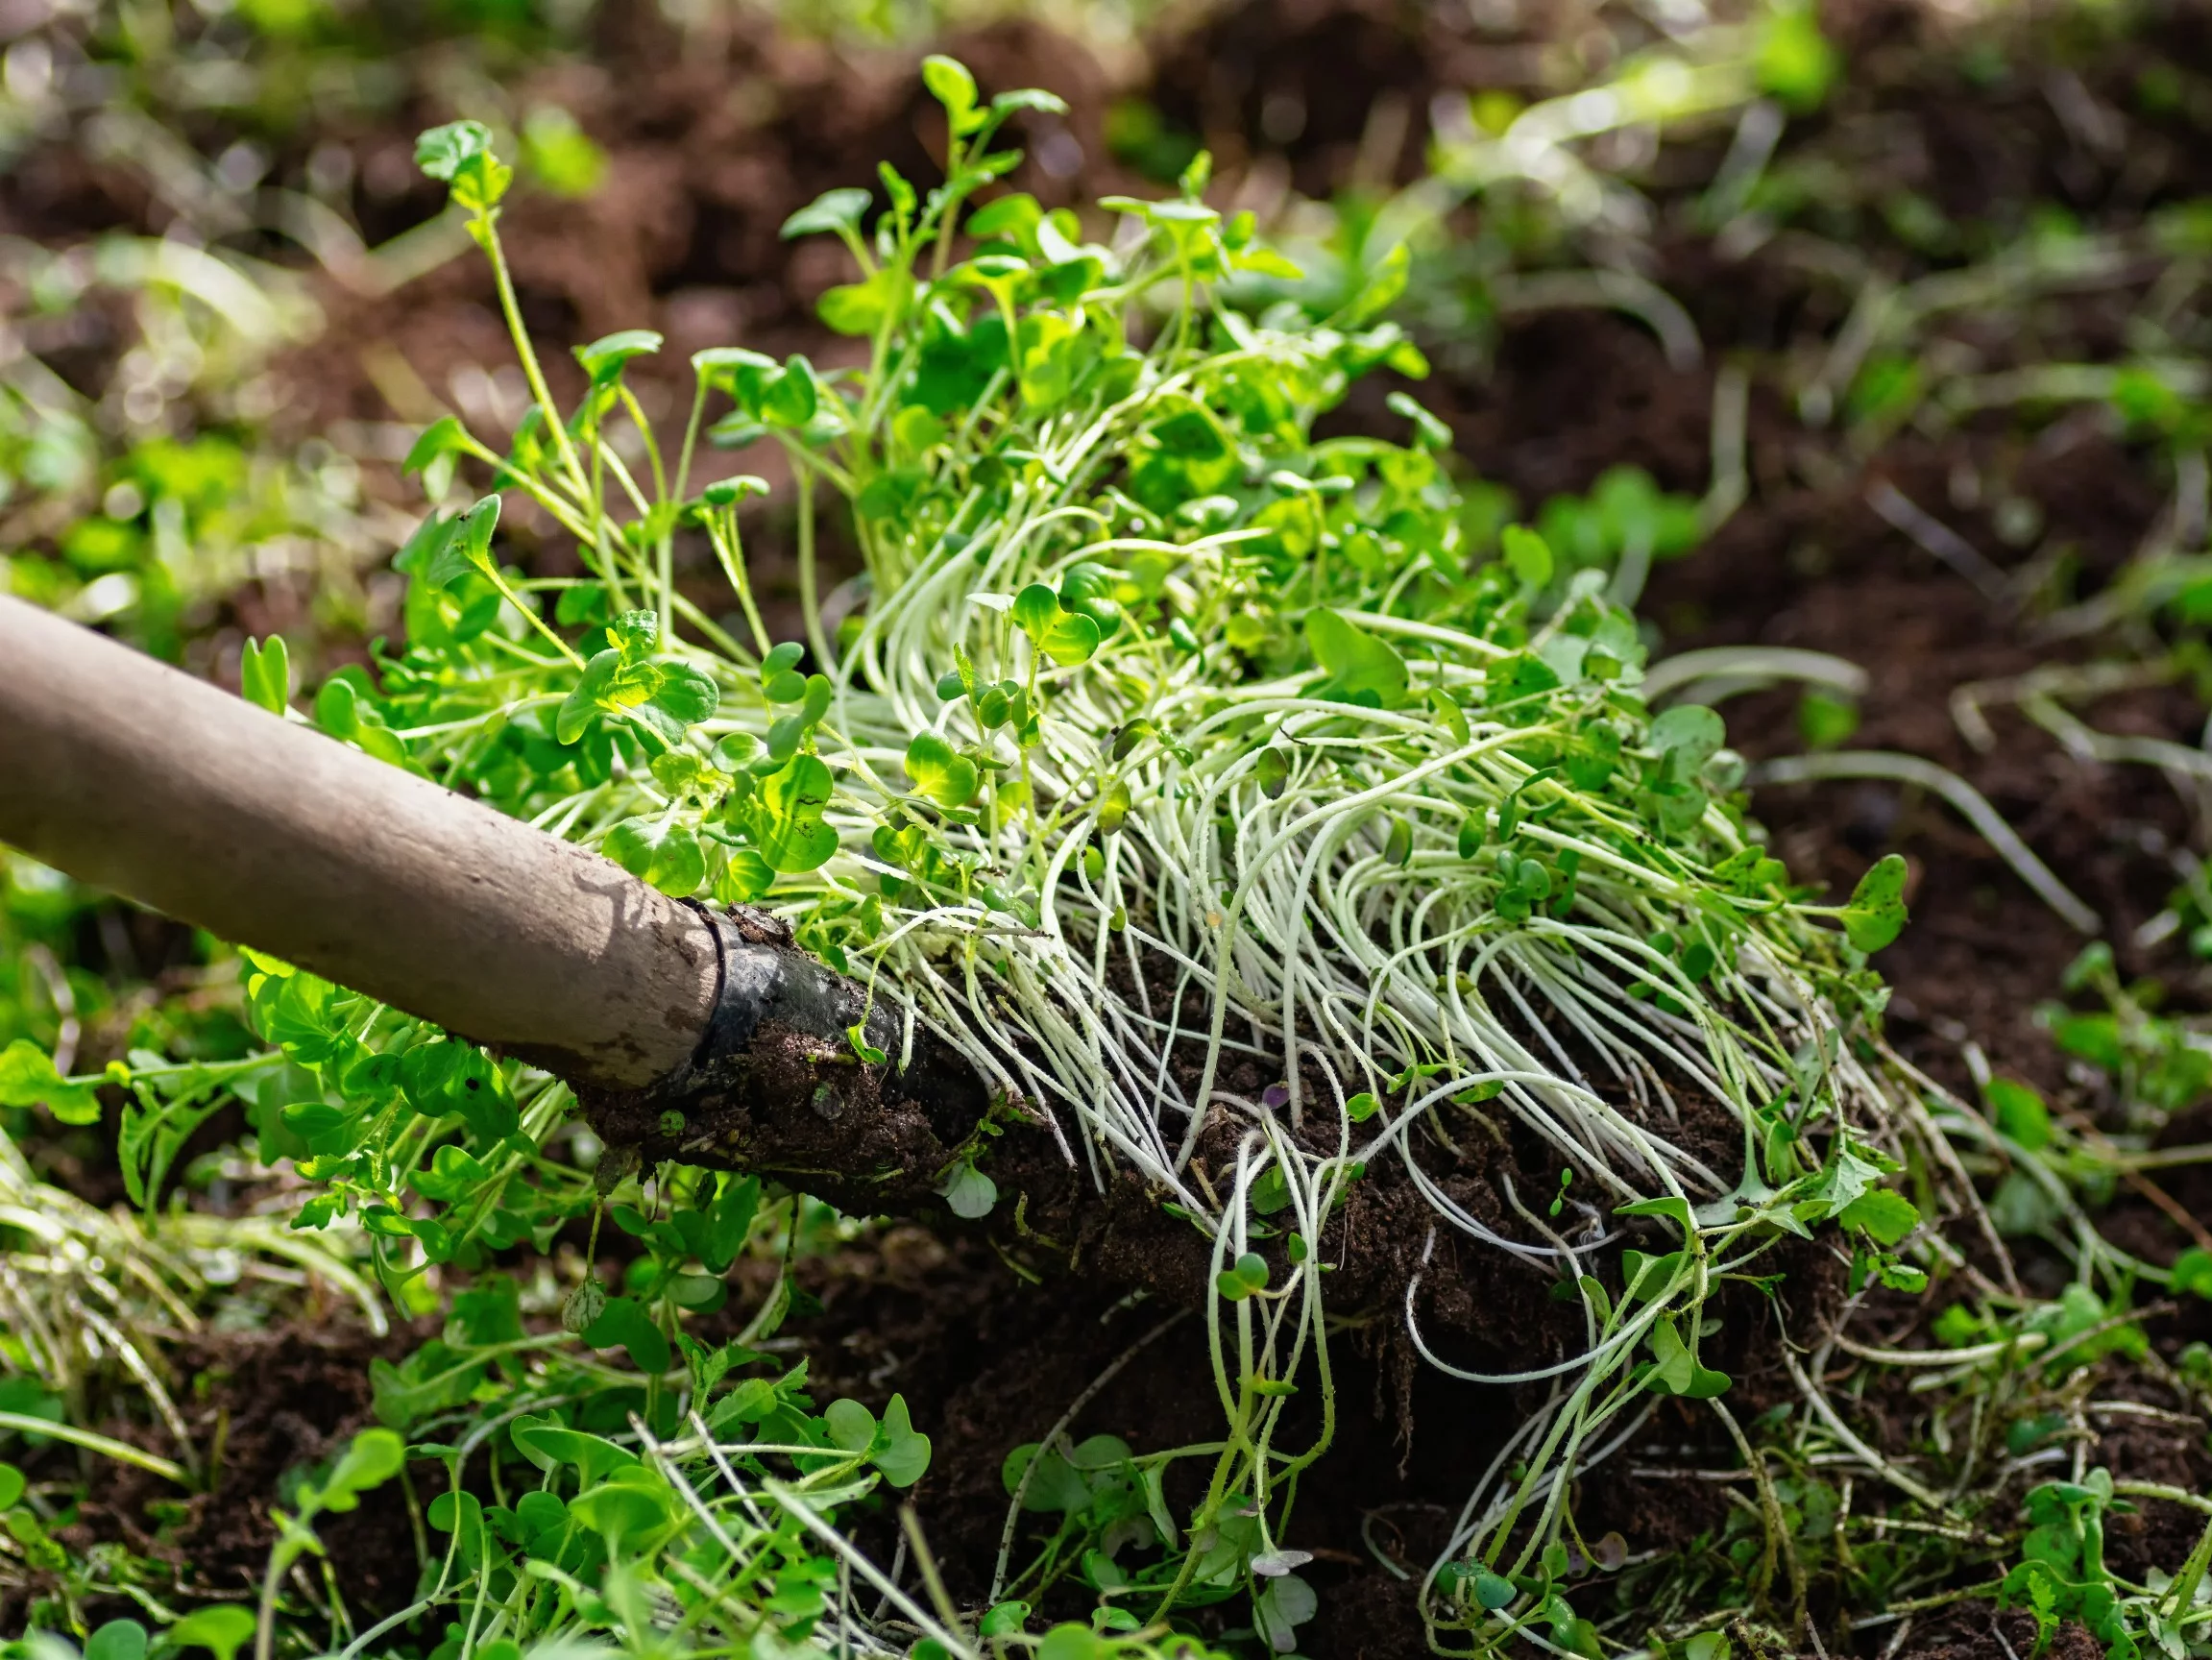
(809, 600)
(23, 1423)
(498, 580)
(488, 220)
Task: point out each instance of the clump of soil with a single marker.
(1974, 1630)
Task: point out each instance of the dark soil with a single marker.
(743, 126)
(262, 1407)
(998, 1359)
(1976, 1631)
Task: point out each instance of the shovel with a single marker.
(684, 1033)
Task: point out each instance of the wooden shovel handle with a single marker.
(134, 777)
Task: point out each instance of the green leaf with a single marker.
(716, 1233)
(734, 369)
(623, 1323)
(116, 1640)
(1749, 872)
(1067, 637)
(1690, 731)
(1675, 1369)
(1888, 1215)
(1004, 1620)
(28, 1079)
(560, 155)
(223, 1630)
(468, 547)
(1358, 663)
(2192, 1276)
(1397, 847)
(793, 838)
(1432, 433)
(426, 544)
(659, 851)
(583, 701)
(1014, 216)
(939, 771)
(791, 398)
(1031, 98)
(739, 487)
(836, 211)
(1072, 1642)
(1450, 715)
(623, 1511)
(709, 1367)
(2020, 1113)
(1054, 1484)
(265, 673)
(744, 879)
(455, 1174)
(372, 1458)
(12, 1484)
(1876, 914)
(460, 153)
(1281, 1608)
(461, 1514)
(969, 1193)
(951, 85)
(1526, 554)
(1114, 803)
(545, 1443)
(1512, 679)
(1492, 1591)
(337, 709)
(605, 357)
(1825, 722)
(1795, 61)
(1846, 1176)
(687, 693)
(443, 436)
(851, 1425)
(1644, 1277)
(860, 308)
(905, 1456)
(1511, 810)
(1676, 1210)
(445, 1078)
(636, 634)
(1247, 1274)
(442, 150)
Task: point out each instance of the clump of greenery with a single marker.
(1142, 688)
